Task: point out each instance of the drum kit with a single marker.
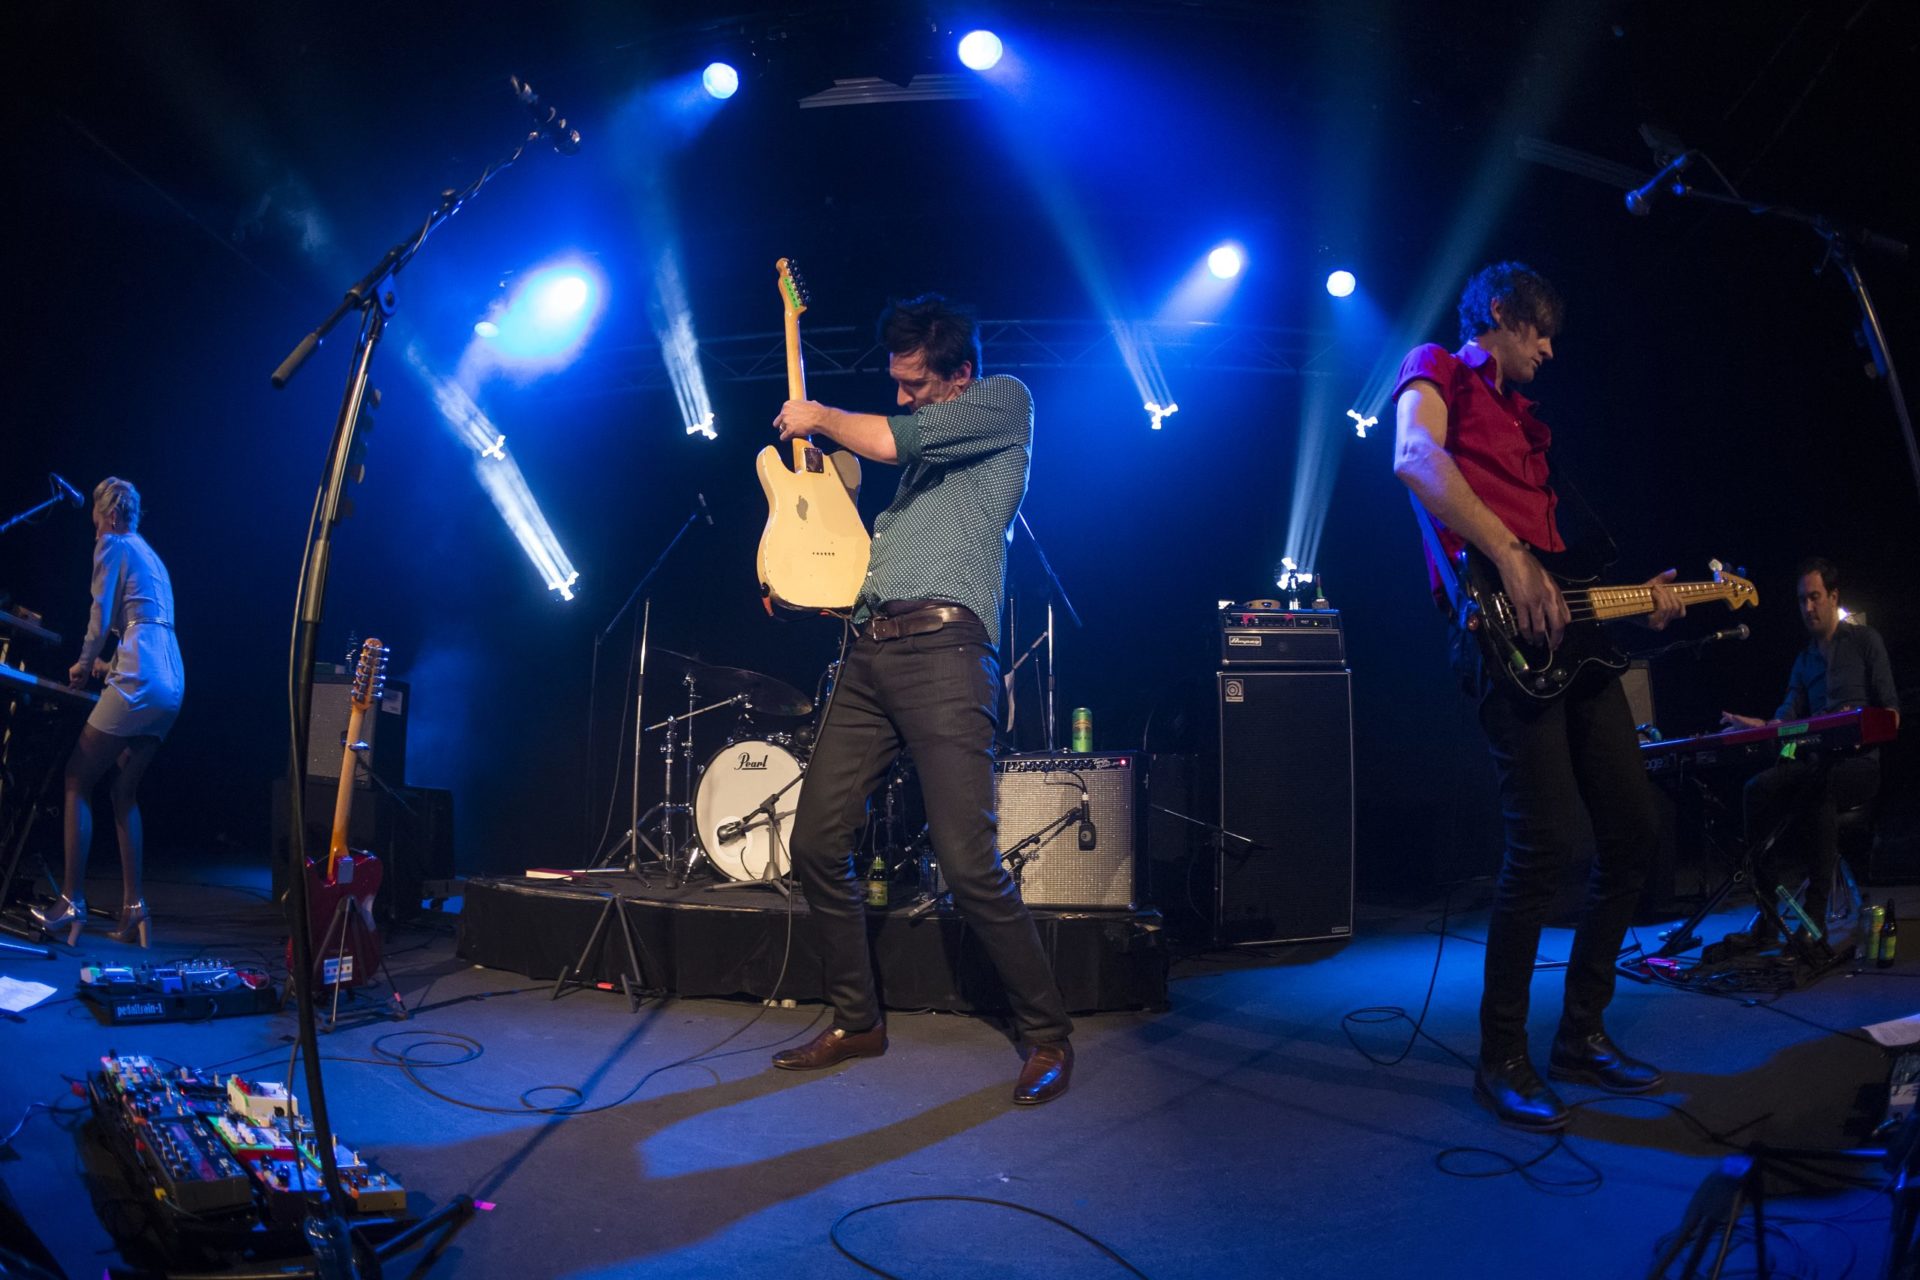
(732, 808)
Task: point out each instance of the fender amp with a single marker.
(1068, 852)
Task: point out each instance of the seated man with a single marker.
(1843, 666)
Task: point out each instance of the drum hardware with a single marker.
(633, 838)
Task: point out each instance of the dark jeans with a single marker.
(1552, 759)
(937, 696)
(1801, 799)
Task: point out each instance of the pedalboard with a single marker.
(184, 991)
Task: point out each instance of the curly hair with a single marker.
(945, 334)
(1525, 297)
(117, 503)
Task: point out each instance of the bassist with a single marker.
(1470, 448)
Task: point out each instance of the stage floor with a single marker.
(1235, 1133)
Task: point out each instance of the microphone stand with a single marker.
(767, 809)
(1058, 592)
(1840, 240)
(1696, 644)
(631, 842)
(372, 297)
(32, 512)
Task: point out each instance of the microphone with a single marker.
(1740, 632)
(702, 499)
(731, 831)
(65, 490)
(547, 120)
(1640, 200)
(1089, 835)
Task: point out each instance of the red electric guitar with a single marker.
(341, 886)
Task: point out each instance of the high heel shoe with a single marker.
(69, 914)
(133, 924)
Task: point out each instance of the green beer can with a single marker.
(1083, 729)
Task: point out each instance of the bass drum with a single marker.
(735, 783)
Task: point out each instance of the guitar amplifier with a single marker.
(1256, 637)
(1064, 862)
(386, 732)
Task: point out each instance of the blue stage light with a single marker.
(980, 50)
(1340, 283)
(543, 322)
(1225, 262)
(720, 80)
(485, 329)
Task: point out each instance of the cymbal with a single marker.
(765, 694)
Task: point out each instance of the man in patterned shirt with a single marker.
(922, 675)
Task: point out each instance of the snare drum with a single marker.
(735, 783)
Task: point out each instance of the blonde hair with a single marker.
(117, 503)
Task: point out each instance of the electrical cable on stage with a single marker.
(833, 1232)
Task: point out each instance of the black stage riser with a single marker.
(706, 948)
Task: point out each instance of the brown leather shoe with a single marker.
(834, 1045)
(1045, 1077)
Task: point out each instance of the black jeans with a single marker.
(936, 695)
(1551, 760)
(1802, 799)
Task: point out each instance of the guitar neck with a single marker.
(796, 385)
(1603, 604)
(337, 844)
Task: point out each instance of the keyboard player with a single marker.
(1843, 666)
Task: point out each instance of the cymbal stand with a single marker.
(633, 839)
(672, 753)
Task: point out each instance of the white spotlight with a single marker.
(1225, 262)
(980, 50)
(1159, 414)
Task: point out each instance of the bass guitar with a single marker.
(342, 885)
(813, 552)
(1541, 672)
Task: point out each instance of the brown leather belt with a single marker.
(917, 622)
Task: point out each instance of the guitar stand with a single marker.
(631, 980)
(353, 928)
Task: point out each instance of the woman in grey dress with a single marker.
(133, 599)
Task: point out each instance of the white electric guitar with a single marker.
(813, 553)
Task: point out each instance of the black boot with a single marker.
(1514, 1092)
(1595, 1059)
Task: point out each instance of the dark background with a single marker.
(193, 186)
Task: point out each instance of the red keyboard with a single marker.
(1757, 747)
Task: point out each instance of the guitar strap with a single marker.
(1443, 565)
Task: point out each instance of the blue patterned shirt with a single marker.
(945, 535)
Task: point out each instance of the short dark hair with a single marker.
(1524, 295)
(1829, 572)
(947, 335)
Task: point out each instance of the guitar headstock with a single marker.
(370, 674)
(793, 289)
(1741, 593)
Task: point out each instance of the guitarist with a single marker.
(1470, 448)
(922, 675)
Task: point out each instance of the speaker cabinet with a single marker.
(1285, 862)
(1064, 862)
(386, 731)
